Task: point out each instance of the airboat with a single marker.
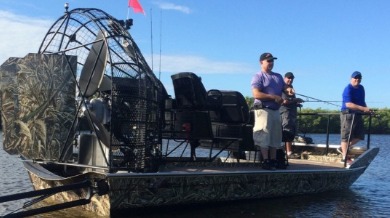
(95, 128)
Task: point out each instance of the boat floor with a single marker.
(245, 166)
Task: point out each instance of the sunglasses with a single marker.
(270, 61)
(357, 77)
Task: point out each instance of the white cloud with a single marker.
(20, 34)
(171, 6)
(197, 64)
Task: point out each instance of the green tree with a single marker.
(323, 120)
(249, 101)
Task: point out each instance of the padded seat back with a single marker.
(189, 91)
(232, 109)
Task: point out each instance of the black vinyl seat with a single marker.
(228, 110)
(226, 106)
(189, 91)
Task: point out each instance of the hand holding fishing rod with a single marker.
(355, 108)
(368, 112)
(289, 91)
(297, 101)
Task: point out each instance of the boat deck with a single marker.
(248, 166)
(298, 164)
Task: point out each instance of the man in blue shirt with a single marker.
(353, 105)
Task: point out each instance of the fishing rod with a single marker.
(340, 101)
(317, 100)
(320, 101)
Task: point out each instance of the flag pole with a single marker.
(151, 35)
(159, 67)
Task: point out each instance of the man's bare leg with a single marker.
(344, 146)
(288, 148)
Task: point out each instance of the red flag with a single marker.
(136, 6)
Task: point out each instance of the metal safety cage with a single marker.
(117, 93)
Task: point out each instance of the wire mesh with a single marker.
(136, 94)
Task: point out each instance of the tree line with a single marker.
(322, 120)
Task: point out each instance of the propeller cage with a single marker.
(111, 68)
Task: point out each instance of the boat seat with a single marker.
(228, 114)
(189, 91)
(227, 106)
(224, 106)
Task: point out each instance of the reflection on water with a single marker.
(346, 203)
(367, 197)
(14, 179)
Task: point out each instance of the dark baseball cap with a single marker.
(356, 74)
(267, 56)
(289, 75)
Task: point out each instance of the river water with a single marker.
(369, 196)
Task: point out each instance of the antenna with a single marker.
(159, 67)
(128, 12)
(151, 34)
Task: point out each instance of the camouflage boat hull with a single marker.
(199, 185)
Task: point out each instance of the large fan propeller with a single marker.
(92, 73)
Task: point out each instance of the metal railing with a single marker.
(338, 114)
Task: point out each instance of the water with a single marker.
(367, 197)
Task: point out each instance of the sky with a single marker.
(321, 42)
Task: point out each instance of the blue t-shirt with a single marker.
(272, 83)
(355, 95)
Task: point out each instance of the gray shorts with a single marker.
(357, 128)
(289, 121)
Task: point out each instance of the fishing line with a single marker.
(321, 101)
(317, 100)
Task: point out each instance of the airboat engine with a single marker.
(90, 150)
(96, 94)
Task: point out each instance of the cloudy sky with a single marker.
(321, 42)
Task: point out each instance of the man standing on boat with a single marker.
(267, 88)
(353, 104)
(289, 112)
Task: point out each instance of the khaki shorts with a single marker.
(267, 131)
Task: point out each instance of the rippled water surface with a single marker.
(367, 197)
